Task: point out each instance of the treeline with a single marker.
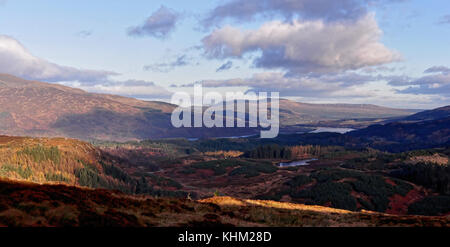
(112, 177)
(40, 153)
(37, 163)
(269, 152)
(433, 176)
(335, 187)
(275, 151)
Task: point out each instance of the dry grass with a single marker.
(229, 201)
(435, 158)
(28, 204)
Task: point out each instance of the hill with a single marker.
(32, 108)
(293, 113)
(26, 204)
(73, 162)
(340, 178)
(400, 136)
(434, 114)
(58, 160)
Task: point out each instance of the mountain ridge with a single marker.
(32, 108)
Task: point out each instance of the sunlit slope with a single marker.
(33, 108)
(25, 204)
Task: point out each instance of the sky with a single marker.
(393, 53)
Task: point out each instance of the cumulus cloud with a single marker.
(329, 10)
(338, 88)
(180, 61)
(225, 66)
(159, 25)
(15, 59)
(321, 85)
(18, 61)
(436, 81)
(305, 46)
(129, 88)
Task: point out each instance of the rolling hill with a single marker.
(33, 108)
(293, 113)
(434, 114)
(401, 136)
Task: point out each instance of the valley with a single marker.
(236, 174)
(39, 109)
(111, 160)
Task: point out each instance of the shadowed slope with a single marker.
(23, 204)
(35, 108)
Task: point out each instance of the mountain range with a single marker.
(34, 108)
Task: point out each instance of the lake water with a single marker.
(222, 137)
(332, 130)
(318, 130)
(296, 163)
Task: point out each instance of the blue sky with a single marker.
(375, 53)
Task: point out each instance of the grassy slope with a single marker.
(26, 204)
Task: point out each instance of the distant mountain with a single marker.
(302, 113)
(438, 113)
(33, 108)
(399, 136)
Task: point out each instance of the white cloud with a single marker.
(435, 82)
(130, 88)
(17, 60)
(329, 10)
(302, 47)
(323, 85)
(339, 88)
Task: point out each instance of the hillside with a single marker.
(58, 160)
(44, 109)
(434, 114)
(340, 178)
(25, 204)
(294, 113)
(400, 136)
(32, 108)
(73, 162)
